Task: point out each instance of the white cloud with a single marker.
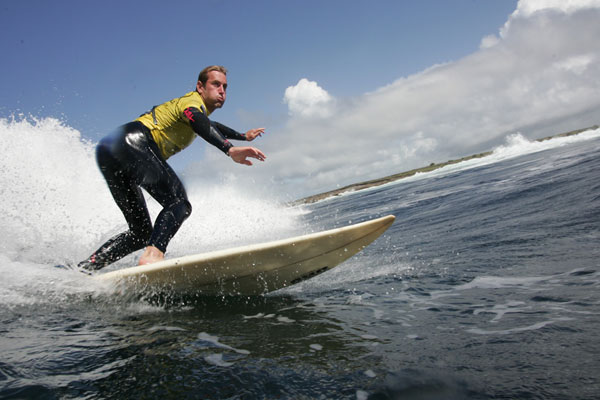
(540, 75)
(526, 8)
(489, 41)
(307, 99)
(577, 64)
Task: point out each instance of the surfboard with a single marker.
(254, 269)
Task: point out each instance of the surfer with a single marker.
(134, 157)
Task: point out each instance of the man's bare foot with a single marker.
(151, 255)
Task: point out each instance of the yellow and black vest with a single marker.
(168, 126)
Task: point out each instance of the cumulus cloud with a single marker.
(526, 8)
(489, 41)
(308, 99)
(539, 75)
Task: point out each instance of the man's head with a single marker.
(212, 86)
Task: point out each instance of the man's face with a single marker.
(214, 91)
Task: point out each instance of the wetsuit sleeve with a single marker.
(228, 132)
(203, 128)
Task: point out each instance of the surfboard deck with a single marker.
(255, 269)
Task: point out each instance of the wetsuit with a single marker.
(134, 157)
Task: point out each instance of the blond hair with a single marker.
(203, 76)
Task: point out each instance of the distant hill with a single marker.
(431, 167)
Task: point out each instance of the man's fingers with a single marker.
(261, 154)
(256, 153)
(253, 133)
(240, 154)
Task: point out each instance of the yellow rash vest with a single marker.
(170, 128)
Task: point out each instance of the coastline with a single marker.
(431, 167)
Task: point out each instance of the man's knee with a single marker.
(186, 209)
(178, 211)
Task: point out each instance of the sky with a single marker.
(347, 90)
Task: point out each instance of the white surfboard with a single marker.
(254, 269)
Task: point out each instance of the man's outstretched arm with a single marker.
(229, 133)
(209, 132)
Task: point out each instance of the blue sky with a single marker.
(97, 65)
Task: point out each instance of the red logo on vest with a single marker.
(188, 114)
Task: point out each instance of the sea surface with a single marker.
(487, 286)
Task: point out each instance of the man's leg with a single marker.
(129, 160)
(112, 159)
(170, 193)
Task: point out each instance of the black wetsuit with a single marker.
(130, 160)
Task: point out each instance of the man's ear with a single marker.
(199, 87)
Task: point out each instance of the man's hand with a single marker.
(253, 133)
(239, 154)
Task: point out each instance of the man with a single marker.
(134, 157)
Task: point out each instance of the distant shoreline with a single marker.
(431, 167)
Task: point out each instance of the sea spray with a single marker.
(223, 217)
(51, 191)
(57, 209)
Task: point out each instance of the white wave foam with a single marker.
(497, 282)
(532, 327)
(224, 217)
(52, 191)
(515, 145)
(500, 310)
(217, 359)
(206, 340)
(57, 209)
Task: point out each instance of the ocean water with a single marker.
(487, 286)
